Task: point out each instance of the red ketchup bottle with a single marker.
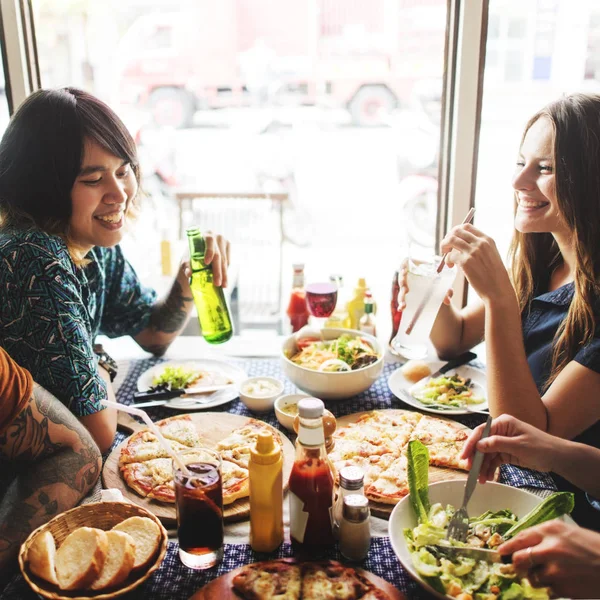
(311, 483)
(297, 310)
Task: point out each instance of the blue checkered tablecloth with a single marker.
(175, 581)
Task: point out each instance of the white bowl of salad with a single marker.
(339, 363)
(496, 512)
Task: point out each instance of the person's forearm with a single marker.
(102, 425)
(511, 388)
(169, 316)
(447, 332)
(579, 464)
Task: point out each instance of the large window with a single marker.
(333, 102)
(536, 51)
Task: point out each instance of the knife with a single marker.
(490, 556)
(451, 364)
(175, 393)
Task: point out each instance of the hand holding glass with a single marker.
(426, 290)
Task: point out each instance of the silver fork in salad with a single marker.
(458, 528)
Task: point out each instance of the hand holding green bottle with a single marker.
(207, 281)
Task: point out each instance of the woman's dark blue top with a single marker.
(540, 324)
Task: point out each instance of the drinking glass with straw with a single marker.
(428, 282)
(198, 496)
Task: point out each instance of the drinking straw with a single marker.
(439, 269)
(138, 412)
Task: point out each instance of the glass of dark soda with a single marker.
(199, 503)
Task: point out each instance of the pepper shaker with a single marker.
(355, 530)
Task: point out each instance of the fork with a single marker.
(458, 528)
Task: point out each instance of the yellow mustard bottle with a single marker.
(266, 494)
(356, 305)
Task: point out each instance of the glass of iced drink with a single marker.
(426, 291)
(199, 503)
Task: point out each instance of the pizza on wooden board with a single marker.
(285, 580)
(147, 469)
(377, 441)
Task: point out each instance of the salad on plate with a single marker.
(450, 391)
(462, 576)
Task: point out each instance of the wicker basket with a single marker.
(103, 515)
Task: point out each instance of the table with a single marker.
(173, 580)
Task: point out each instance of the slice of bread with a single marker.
(80, 558)
(41, 557)
(119, 560)
(146, 535)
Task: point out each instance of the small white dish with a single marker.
(402, 388)
(259, 393)
(286, 417)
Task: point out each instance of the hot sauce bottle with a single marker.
(297, 310)
(311, 482)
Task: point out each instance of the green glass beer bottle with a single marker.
(213, 313)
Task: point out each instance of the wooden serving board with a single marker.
(212, 427)
(222, 588)
(384, 511)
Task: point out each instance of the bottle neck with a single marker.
(298, 282)
(311, 433)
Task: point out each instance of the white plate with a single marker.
(490, 496)
(199, 401)
(400, 387)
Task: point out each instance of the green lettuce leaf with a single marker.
(418, 479)
(556, 505)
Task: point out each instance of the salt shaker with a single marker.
(355, 531)
(351, 482)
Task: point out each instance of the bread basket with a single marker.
(103, 515)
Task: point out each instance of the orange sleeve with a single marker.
(16, 387)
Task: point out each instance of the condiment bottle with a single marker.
(351, 482)
(297, 309)
(355, 529)
(339, 317)
(311, 482)
(213, 313)
(266, 494)
(367, 321)
(356, 306)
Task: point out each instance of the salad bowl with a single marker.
(329, 384)
(487, 497)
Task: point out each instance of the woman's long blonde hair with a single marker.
(575, 121)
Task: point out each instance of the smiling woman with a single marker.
(69, 178)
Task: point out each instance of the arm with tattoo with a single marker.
(168, 317)
(56, 464)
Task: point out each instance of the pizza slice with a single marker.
(395, 425)
(237, 445)
(151, 478)
(392, 483)
(181, 429)
(272, 580)
(144, 445)
(444, 440)
(236, 482)
(331, 581)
